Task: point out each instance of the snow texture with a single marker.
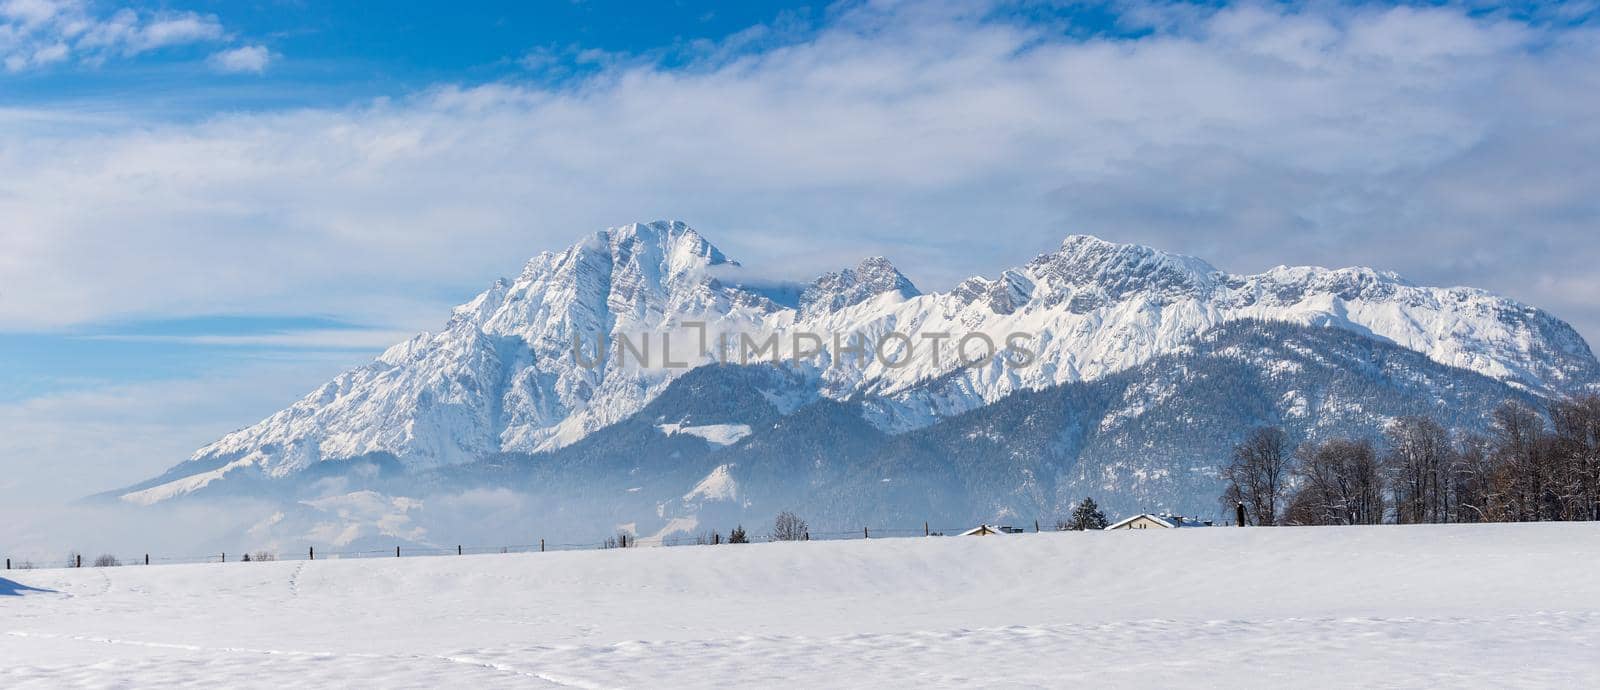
(717, 486)
(1430, 606)
(720, 434)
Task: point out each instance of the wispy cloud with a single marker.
(244, 59)
(39, 33)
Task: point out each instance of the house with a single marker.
(986, 530)
(1162, 521)
(1143, 521)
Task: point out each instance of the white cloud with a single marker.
(251, 59)
(36, 33)
(30, 12)
(1451, 147)
(175, 29)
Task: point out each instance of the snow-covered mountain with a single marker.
(503, 375)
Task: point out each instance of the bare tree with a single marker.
(788, 527)
(1256, 474)
(1519, 437)
(1366, 482)
(1531, 467)
(1341, 483)
(1417, 464)
(1305, 507)
(1577, 465)
(1473, 482)
(106, 560)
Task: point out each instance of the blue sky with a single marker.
(208, 208)
(333, 53)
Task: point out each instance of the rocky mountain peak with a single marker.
(1113, 270)
(871, 277)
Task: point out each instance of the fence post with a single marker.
(924, 528)
(541, 545)
(311, 553)
(1238, 511)
(864, 534)
(1036, 525)
(147, 559)
(396, 552)
(224, 556)
(458, 549)
(80, 560)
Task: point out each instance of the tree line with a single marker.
(1528, 467)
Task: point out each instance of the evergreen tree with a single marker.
(1087, 516)
(737, 536)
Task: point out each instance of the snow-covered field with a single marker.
(1497, 605)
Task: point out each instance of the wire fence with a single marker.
(75, 559)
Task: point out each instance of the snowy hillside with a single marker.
(502, 377)
(1146, 438)
(1427, 606)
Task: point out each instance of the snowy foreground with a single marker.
(1498, 605)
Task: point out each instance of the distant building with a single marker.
(986, 530)
(1163, 521)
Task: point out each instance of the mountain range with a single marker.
(1146, 367)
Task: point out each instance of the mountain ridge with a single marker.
(1149, 438)
(502, 375)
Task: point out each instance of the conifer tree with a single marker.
(1087, 516)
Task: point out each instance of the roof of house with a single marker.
(1162, 521)
(1168, 520)
(982, 530)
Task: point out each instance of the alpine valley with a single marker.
(1149, 368)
